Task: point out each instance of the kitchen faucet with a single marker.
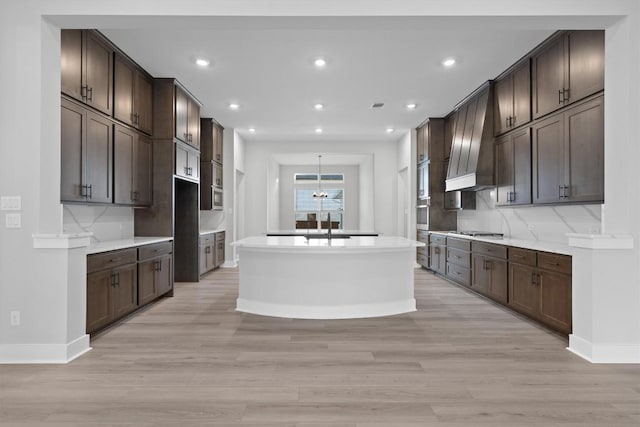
(329, 225)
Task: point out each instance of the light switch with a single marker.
(13, 220)
(10, 203)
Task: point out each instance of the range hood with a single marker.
(471, 158)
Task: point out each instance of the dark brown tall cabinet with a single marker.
(133, 98)
(512, 98)
(87, 159)
(568, 154)
(87, 68)
(567, 68)
(132, 167)
(513, 168)
(210, 162)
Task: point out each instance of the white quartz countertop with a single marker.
(301, 243)
(211, 231)
(302, 231)
(112, 245)
(536, 245)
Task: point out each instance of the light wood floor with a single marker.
(192, 360)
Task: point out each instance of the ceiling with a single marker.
(266, 66)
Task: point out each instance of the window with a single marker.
(309, 209)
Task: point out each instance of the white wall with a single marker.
(261, 180)
(606, 321)
(351, 214)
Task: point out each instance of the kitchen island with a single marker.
(316, 278)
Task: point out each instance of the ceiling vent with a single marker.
(377, 105)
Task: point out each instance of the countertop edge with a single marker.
(114, 245)
(542, 246)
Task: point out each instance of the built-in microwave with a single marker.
(216, 197)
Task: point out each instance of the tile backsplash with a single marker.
(212, 220)
(105, 222)
(544, 223)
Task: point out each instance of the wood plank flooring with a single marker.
(191, 360)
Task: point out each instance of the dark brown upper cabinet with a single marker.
(176, 113)
(133, 99)
(187, 118)
(87, 68)
(210, 140)
(86, 155)
(568, 155)
(512, 98)
(566, 69)
(132, 167)
(513, 168)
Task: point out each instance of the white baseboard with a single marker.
(599, 353)
(229, 264)
(44, 353)
(355, 311)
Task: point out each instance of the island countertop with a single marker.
(354, 243)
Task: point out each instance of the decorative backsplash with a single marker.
(211, 220)
(544, 223)
(105, 222)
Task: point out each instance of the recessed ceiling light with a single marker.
(449, 62)
(389, 130)
(234, 106)
(318, 130)
(252, 130)
(319, 106)
(202, 62)
(320, 62)
(411, 106)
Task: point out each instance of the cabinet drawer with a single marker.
(554, 262)
(522, 256)
(220, 236)
(101, 261)
(437, 239)
(154, 250)
(422, 236)
(459, 274)
(463, 244)
(207, 238)
(489, 249)
(458, 257)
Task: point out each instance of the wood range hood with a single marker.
(472, 152)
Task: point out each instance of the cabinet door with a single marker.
(219, 143)
(498, 279)
(555, 300)
(125, 292)
(548, 162)
(73, 134)
(99, 299)
(502, 104)
(480, 274)
(504, 170)
(181, 115)
(524, 294)
(217, 175)
(99, 158)
(143, 171)
(521, 94)
(143, 102)
(521, 141)
(584, 152)
(193, 164)
(71, 63)
(164, 274)
(124, 141)
(98, 72)
(193, 125)
(123, 88)
(421, 189)
(211, 257)
(181, 161)
(586, 63)
(202, 259)
(549, 71)
(146, 282)
(420, 154)
(219, 253)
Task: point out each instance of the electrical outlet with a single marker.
(13, 220)
(15, 318)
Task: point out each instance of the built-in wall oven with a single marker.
(422, 214)
(216, 197)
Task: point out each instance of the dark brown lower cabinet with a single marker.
(111, 294)
(490, 277)
(120, 281)
(555, 300)
(437, 258)
(524, 294)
